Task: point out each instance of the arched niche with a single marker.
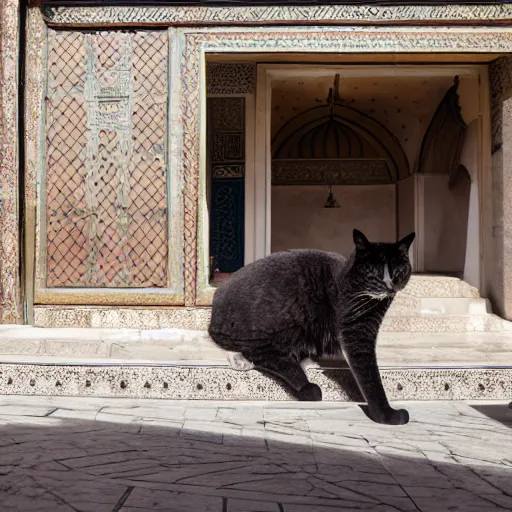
(442, 144)
(336, 144)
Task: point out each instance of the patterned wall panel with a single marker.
(226, 224)
(106, 202)
(227, 154)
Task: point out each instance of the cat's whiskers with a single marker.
(359, 310)
(378, 296)
(357, 307)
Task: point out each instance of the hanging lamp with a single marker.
(331, 201)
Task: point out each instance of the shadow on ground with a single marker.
(249, 458)
(497, 412)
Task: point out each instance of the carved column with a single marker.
(499, 271)
(10, 295)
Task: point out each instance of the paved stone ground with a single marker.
(95, 455)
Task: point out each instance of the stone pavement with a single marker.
(63, 454)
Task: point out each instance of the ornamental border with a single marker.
(10, 250)
(282, 14)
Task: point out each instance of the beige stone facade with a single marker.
(118, 162)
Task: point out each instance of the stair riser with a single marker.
(440, 287)
(166, 319)
(412, 306)
(419, 287)
(440, 324)
(217, 383)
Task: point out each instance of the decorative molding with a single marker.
(190, 108)
(228, 79)
(330, 172)
(35, 90)
(10, 290)
(190, 381)
(357, 40)
(315, 14)
(228, 171)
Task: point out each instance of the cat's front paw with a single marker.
(391, 417)
(310, 393)
(238, 362)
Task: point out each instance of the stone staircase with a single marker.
(439, 340)
(438, 304)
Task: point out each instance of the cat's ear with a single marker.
(406, 242)
(360, 240)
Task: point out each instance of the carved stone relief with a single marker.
(335, 14)
(325, 172)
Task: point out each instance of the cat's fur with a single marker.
(296, 304)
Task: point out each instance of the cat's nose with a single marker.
(397, 287)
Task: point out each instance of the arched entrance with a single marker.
(338, 148)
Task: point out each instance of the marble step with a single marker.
(408, 305)
(434, 286)
(177, 346)
(426, 323)
(174, 363)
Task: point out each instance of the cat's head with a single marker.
(381, 269)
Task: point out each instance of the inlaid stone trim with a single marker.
(333, 14)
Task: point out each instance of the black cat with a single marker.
(291, 305)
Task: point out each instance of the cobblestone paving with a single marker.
(96, 455)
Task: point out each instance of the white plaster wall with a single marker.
(469, 158)
(406, 206)
(445, 223)
(406, 215)
(300, 221)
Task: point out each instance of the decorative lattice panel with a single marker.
(106, 201)
(226, 120)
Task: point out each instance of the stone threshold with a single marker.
(185, 364)
(29, 345)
